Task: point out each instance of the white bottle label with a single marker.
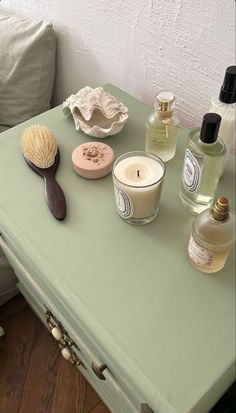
(200, 255)
(191, 177)
(124, 203)
(159, 139)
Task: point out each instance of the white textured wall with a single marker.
(142, 46)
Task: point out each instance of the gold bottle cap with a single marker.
(165, 101)
(220, 211)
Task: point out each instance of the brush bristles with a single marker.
(39, 145)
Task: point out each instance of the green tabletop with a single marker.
(169, 328)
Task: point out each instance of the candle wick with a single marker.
(138, 172)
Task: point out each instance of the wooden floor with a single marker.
(34, 378)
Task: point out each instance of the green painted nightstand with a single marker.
(159, 334)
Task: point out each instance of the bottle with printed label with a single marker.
(162, 127)
(203, 162)
(212, 237)
(225, 106)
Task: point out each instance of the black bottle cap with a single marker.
(210, 127)
(228, 89)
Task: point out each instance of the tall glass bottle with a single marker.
(225, 106)
(162, 127)
(204, 158)
(212, 237)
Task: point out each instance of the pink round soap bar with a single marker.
(93, 160)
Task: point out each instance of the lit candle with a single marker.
(138, 179)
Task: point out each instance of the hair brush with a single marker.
(41, 153)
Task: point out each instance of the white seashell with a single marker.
(96, 112)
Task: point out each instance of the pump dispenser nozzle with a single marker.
(228, 89)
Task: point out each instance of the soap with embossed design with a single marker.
(93, 160)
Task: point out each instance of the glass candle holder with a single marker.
(138, 179)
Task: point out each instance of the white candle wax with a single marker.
(138, 182)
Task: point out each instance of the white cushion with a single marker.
(27, 68)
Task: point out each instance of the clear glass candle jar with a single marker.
(138, 179)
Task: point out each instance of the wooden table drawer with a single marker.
(108, 388)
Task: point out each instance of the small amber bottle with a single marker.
(212, 237)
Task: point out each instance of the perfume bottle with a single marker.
(203, 162)
(212, 238)
(162, 127)
(225, 106)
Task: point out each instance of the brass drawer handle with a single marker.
(57, 330)
(64, 341)
(98, 370)
(71, 357)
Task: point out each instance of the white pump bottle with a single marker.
(225, 106)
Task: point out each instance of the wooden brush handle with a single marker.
(55, 197)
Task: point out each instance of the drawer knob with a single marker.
(71, 357)
(98, 370)
(57, 333)
(66, 353)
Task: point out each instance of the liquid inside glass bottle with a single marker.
(204, 159)
(162, 127)
(212, 237)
